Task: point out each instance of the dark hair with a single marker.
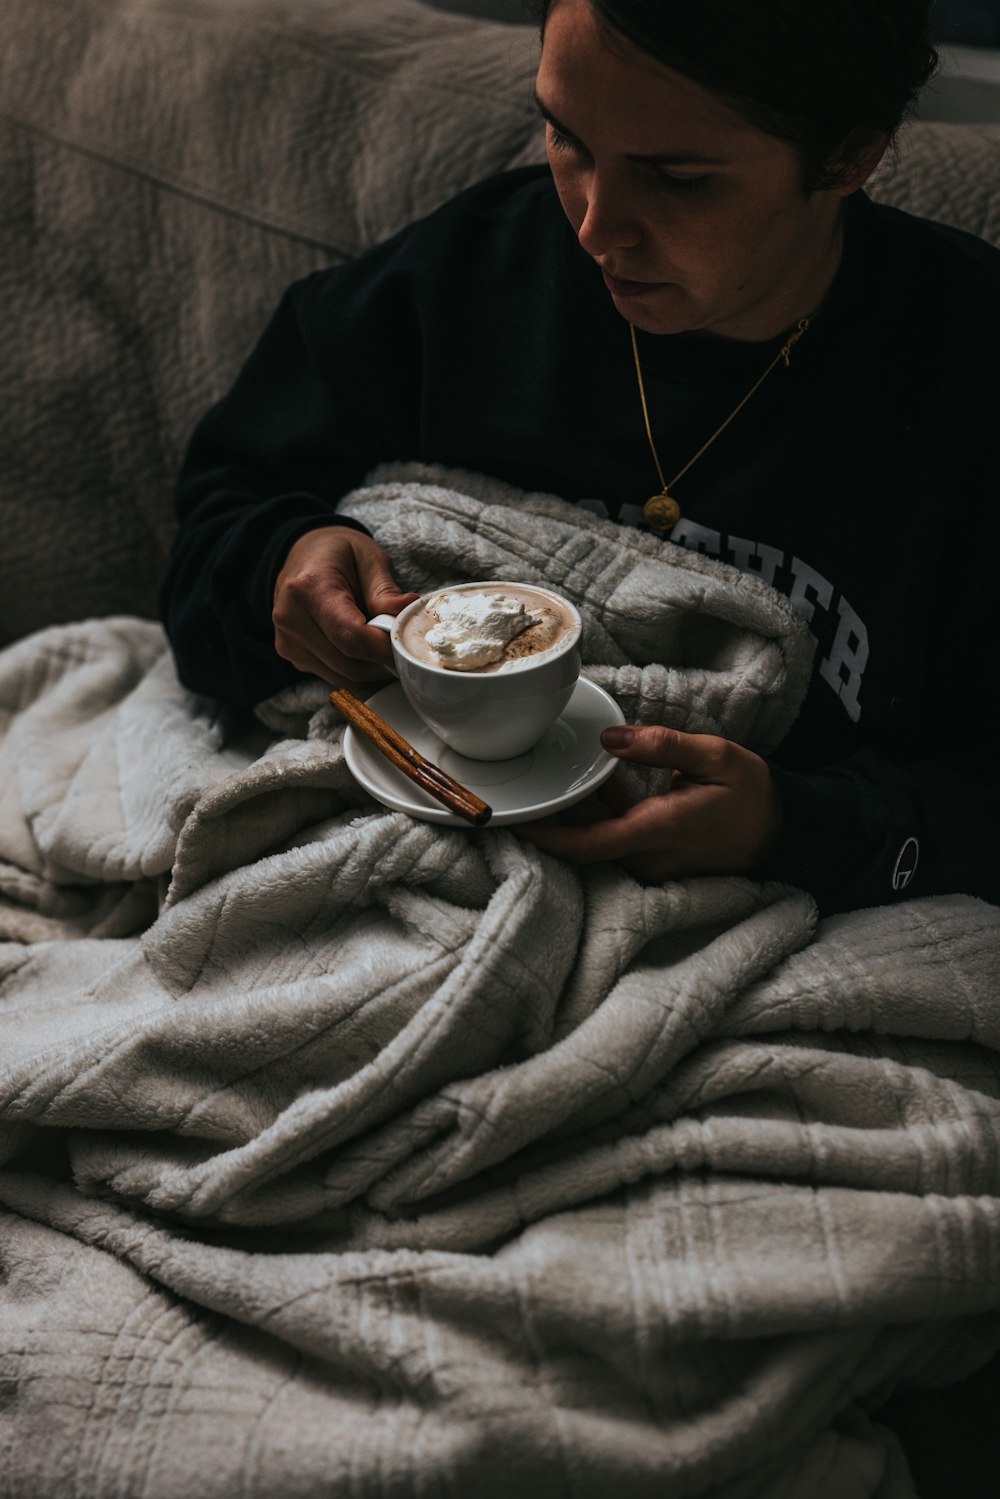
(824, 75)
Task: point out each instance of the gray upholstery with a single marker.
(168, 169)
(511, 11)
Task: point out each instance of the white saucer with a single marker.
(566, 766)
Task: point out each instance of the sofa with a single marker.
(168, 167)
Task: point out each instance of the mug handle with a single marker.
(384, 622)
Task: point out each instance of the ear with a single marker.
(856, 159)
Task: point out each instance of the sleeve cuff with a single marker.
(842, 840)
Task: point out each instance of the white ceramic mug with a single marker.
(489, 715)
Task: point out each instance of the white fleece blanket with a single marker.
(346, 1155)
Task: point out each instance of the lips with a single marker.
(619, 287)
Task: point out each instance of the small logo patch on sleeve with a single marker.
(906, 864)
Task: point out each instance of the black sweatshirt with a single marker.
(855, 481)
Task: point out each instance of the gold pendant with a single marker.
(662, 511)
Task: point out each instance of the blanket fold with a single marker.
(436, 1166)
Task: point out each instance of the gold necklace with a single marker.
(662, 511)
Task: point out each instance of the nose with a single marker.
(608, 223)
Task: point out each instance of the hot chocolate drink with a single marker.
(489, 666)
(496, 627)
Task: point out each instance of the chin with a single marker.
(652, 320)
(666, 311)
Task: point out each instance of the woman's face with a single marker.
(697, 218)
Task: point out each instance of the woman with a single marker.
(695, 298)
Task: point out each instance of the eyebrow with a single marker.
(660, 159)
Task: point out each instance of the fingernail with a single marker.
(617, 738)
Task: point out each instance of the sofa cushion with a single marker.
(168, 167)
(946, 172)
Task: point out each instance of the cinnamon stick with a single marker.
(423, 772)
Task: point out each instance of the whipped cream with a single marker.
(474, 629)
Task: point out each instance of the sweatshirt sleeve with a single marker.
(914, 810)
(868, 831)
(315, 408)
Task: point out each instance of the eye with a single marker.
(682, 185)
(561, 142)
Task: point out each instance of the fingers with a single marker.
(615, 796)
(724, 819)
(309, 649)
(573, 844)
(379, 590)
(351, 645)
(306, 662)
(606, 839)
(324, 632)
(332, 581)
(702, 757)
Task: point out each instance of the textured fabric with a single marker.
(410, 1161)
(946, 172)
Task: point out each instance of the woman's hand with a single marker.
(721, 815)
(332, 581)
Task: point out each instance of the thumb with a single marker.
(379, 589)
(667, 749)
